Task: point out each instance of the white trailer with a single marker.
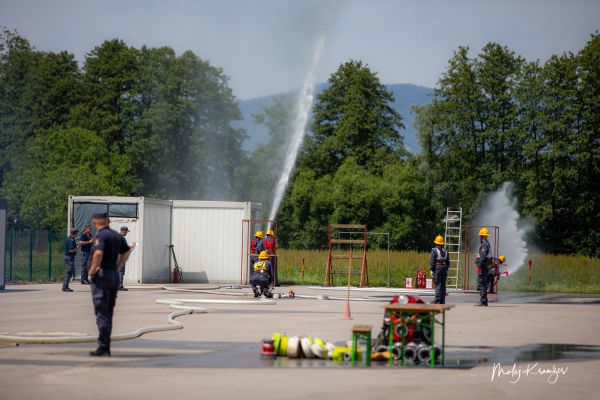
(206, 235)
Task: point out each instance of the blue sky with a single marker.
(265, 45)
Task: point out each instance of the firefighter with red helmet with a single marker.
(439, 261)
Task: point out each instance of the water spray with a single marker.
(500, 209)
(302, 111)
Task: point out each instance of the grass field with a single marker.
(550, 273)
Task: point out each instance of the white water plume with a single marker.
(499, 209)
(302, 110)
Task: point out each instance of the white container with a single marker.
(428, 283)
(408, 283)
(149, 223)
(206, 235)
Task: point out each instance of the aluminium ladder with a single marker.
(452, 237)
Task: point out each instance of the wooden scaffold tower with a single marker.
(344, 249)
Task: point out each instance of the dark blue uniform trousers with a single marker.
(482, 284)
(261, 280)
(69, 270)
(85, 263)
(121, 276)
(440, 275)
(104, 294)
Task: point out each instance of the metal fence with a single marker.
(35, 256)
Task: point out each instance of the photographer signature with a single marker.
(515, 373)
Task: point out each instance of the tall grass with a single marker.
(557, 273)
(550, 273)
(402, 264)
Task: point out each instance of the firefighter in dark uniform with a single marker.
(85, 242)
(70, 252)
(483, 264)
(105, 278)
(269, 245)
(439, 261)
(256, 246)
(124, 232)
(494, 274)
(262, 275)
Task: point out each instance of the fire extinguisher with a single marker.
(421, 279)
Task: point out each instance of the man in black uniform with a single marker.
(85, 241)
(70, 251)
(439, 262)
(105, 278)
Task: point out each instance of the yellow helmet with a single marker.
(502, 259)
(263, 255)
(270, 232)
(258, 234)
(484, 232)
(439, 240)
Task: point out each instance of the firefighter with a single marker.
(483, 264)
(256, 246)
(494, 274)
(270, 246)
(439, 261)
(262, 275)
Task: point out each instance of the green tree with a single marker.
(353, 117)
(37, 93)
(354, 168)
(56, 165)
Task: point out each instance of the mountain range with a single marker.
(405, 95)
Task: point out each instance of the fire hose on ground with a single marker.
(172, 324)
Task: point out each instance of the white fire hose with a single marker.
(172, 324)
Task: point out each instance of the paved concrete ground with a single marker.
(194, 362)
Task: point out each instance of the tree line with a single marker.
(146, 121)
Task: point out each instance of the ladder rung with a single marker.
(341, 272)
(347, 241)
(452, 235)
(347, 257)
(348, 226)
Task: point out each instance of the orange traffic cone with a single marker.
(347, 315)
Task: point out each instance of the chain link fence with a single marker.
(35, 256)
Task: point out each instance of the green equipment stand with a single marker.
(358, 332)
(403, 314)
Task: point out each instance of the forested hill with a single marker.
(405, 95)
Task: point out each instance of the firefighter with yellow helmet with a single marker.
(494, 274)
(262, 276)
(439, 261)
(256, 246)
(484, 262)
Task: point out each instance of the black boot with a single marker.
(99, 352)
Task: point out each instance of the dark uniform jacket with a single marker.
(85, 248)
(70, 245)
(484, 254)
(256, 246)
(263, 267)
(439, 257)
(112, 244)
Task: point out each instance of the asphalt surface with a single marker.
(216, 355)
